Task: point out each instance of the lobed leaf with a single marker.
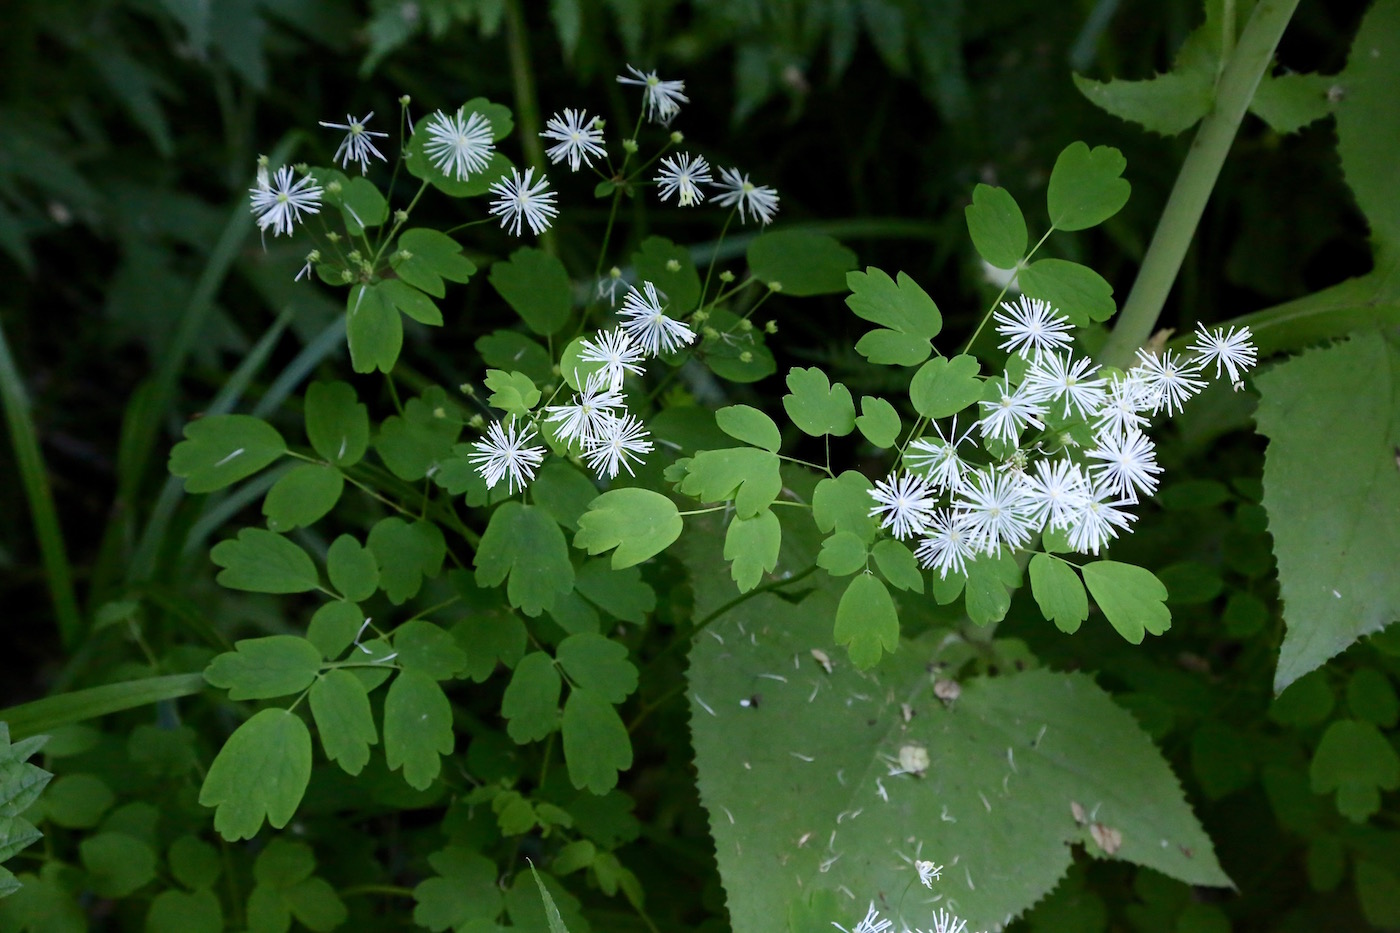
(537, 287)
(263, 668)
(751, 545)
(264, 562)
(1086, 186)
(337, 424)
(817, 406)
(523, 543)
(220, 450)
(997, 226)
(800, 262)
(417, 728)
(260, 773)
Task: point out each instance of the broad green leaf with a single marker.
(681, 286)
(908, 316)
(598, 663)
(333, 628)
(340, 706)
(373, 329)
(748, 424)
(1305, 702)
(575, 370)
(512, 351)
(337, 424)
(531, 701)
(1005, 764)
(352, 569)
(816, 406)
(1355, 760)
(843, 554)
(77, 801)
(575, 614)
(1168, 103)
(1131, 597)
(360, 203)
(220, 450)
(800, 262)
(21, 781)
(514, 393)
(260, 773)
(1335, 558)
(536, 285)
(596, 744)
(412, 302)
(1217, 762)
(1290, 101)
(117, 864)
(302, 496)
(733, 352)
(1086, 186)
(551, 912)
(194, 862)
(1076, 291)
(563, 491)
(1378, 890)
(843, 504)
(746, 474)
(417, 728)
(414, 444)
(527, 910)
(424, 646)
(898, 565)
(1368, 122)
(523, 543)
(407, 555)
(176, 911)
(262, 668)
(997, 226)
(1371, 697)
(425, 257)
(751, 544)
(866, 621)
(264, 562)
(1058, 592)
(944, 387)
(987, 592)
(878, 422)
(621, 593)
(464, 891)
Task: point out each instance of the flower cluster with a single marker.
(1040, 478)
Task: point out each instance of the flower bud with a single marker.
(726, 276)
(746, 357)
(629, 146)
(746, 325)
(673, 265)
(400, 216)
(677, 137)
(775, 286)
(771, 327)
(405, 100)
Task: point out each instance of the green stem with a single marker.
(527, 105)
(1199, 172)
(389, 890)
(51, 712)
(58, 571)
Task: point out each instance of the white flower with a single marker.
(649, 326)
(1013, 410)
(759, 200)
(584, 419)
(616, 351)
(905, 504)
(1130, 463)
(944, 922)
(607, 287)
(997, 510)
(950, 544)
(517, 198)
(358, 144)
(617, 440)
(1054, 376)
(1097, 520)
(1056, 492)
(871, 924)
(1031, 325)
(577, 137)
(281, 203)
(938, 459)
(1170, 379)
(928, 872)
(459, 145)
(1232, 349)
(1127, 398)
(504, 453)
(682, 175)
(661, 100)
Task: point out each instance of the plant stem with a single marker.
(527, 105)
(1182, 214)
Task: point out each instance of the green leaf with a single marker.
(596, 744)
(1086, 186)
(417, 728)
(425, 257)
(816, 406)
(463, 892)
(261, 772)
(333, 628)
(531, 701)
(800, 262)
(638, 522)
(340, 706)
(359, 200)
(621, 593)
(407, 555)
(1077, 292)
(414, 444)
(76, 801)
(563, 491)
(264, 562)
(513, 392)
(1368, 122)
(599, 664)
(424, 646)
(262, 668)
(352, 569)
(117, 864)
(1371, 697)
(681, 286)
(536, 285)
(176, 911)
(746, 474)
(1131, 597)
(997, 226)
(748, 424)
(1168, 103)
(1354, 760)
(1289, 102)
(420, 165)
(987, 593)
(511, 351)
(21, 782)
(336, 423)
(878, 422)
(866, 621)
(302, 496)
(944, 387)
(1058, 592)
(734, 353)
(523, 543)
(908, 315)
(1335, 563)
(843, 554)
(527, 910)
(898, 566)
(409, 300)
(752, 546)
(373, 329)
(843, 504)
(1378, 890)
(551, 912)
(220, 450)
